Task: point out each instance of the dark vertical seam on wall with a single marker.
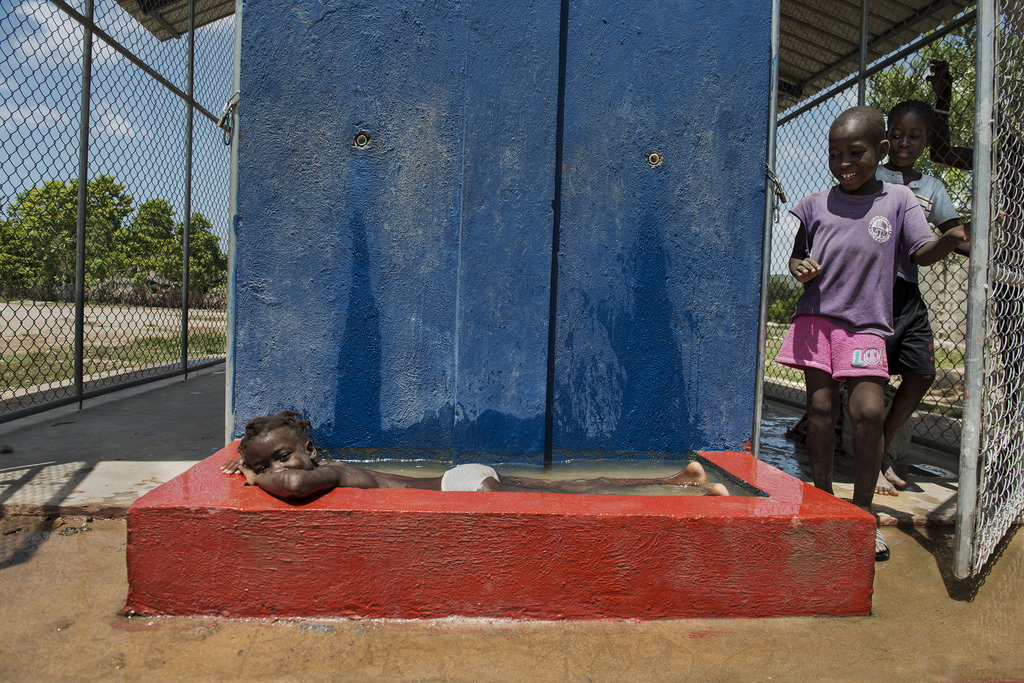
(467, 45)
(556, 210)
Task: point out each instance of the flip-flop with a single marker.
(881, 555)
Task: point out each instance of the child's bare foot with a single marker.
(718, 490)
(884, 487)
(894, 479)
(690, 475)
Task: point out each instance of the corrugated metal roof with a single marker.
(819, 40)
(168, 19)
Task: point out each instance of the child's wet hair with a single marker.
(868, 121)
(287, 419)
(922, 109)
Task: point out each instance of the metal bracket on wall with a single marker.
(778, 193)
(226, 120)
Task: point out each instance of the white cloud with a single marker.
(107, 120)
(51, 41)
(39, 116)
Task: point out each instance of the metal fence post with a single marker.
(862, 78)
(235, 104)
(83, 202)
(769, 220)
(977, 293)
(187, 224)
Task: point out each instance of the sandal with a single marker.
(881, 555)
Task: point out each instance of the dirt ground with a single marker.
(62, 595)
(35, 325)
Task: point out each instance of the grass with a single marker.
(33, 368)
(949, 360)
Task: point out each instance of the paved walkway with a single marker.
(98, 460)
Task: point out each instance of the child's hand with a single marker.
(238, 466)
(942, 82)
(231, 466)
(806, 270)
(247, 472)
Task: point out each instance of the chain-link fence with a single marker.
(802, 168)
(996, 456)
(102, 103)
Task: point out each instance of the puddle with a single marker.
(776, 449)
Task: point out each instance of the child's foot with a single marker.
(881, 547)
(718, 490)
(894, 479)
(691, 474)
(884, 487)
(798, 432)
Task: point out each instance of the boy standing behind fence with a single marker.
(910, 350)
(846, 254)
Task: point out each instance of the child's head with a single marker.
(276, 442)
(909, 129)
(856, 143)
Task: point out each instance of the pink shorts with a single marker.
(816, 342)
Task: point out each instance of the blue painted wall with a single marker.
(400, 295)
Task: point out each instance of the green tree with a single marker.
(783, 293)
(150, 244)
(108, 205)
(37, 243)
(208, 264)
(155, 243)
(38, 236)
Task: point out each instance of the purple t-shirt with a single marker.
(858, 240)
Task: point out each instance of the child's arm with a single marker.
(302, 483)
(964, 248)
(940, 149)
(802, 266)
(938, 249)
(292, 483)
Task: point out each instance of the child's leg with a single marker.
(913, 388)
(867, 411)
(910, 353)
(822, 413)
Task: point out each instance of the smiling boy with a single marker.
(846, 253)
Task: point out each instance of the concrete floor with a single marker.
(61, 592)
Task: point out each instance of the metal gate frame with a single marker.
(991, 490)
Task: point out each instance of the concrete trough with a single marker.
(204, 544)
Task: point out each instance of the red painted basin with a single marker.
(204, 544)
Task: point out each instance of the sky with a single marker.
(137, 127)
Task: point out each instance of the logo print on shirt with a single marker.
(880, 229)
(866, 358)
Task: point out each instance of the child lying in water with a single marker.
(278, 455)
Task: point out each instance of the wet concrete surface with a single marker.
(61, 592)
(929, 497)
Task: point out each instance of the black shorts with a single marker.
(911, 348)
